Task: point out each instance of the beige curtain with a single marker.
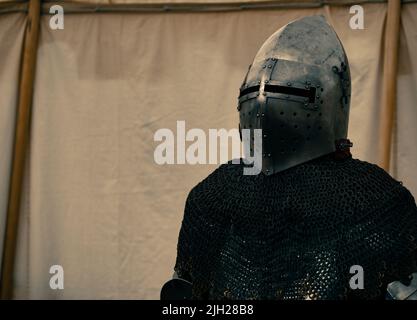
(95, 201)
(404, 164)
(11, 39)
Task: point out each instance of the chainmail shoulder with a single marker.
(296, 234)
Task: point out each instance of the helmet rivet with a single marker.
(257, 114)
(264, 135)
(269, 154)
(264, 93)
(317, 96)
(269, 66)
(264, 66)
(264, 154)
(289, 84)
(306, 104)
(259, 82)
(263, 114)
(266, 81)
(315, 107)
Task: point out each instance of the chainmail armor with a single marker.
(295, 234)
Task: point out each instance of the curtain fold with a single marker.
(11, 39)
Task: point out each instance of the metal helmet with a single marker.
(297, 90)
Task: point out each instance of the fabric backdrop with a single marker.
(95, 202)
(11, 39)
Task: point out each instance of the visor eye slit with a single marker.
(246, 91)
(309, 93)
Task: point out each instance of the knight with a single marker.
(295, 230)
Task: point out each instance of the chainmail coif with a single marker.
(295, 234)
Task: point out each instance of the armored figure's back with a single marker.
(295, 230)
(296, 234)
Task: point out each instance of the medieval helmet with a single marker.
(297, 90)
